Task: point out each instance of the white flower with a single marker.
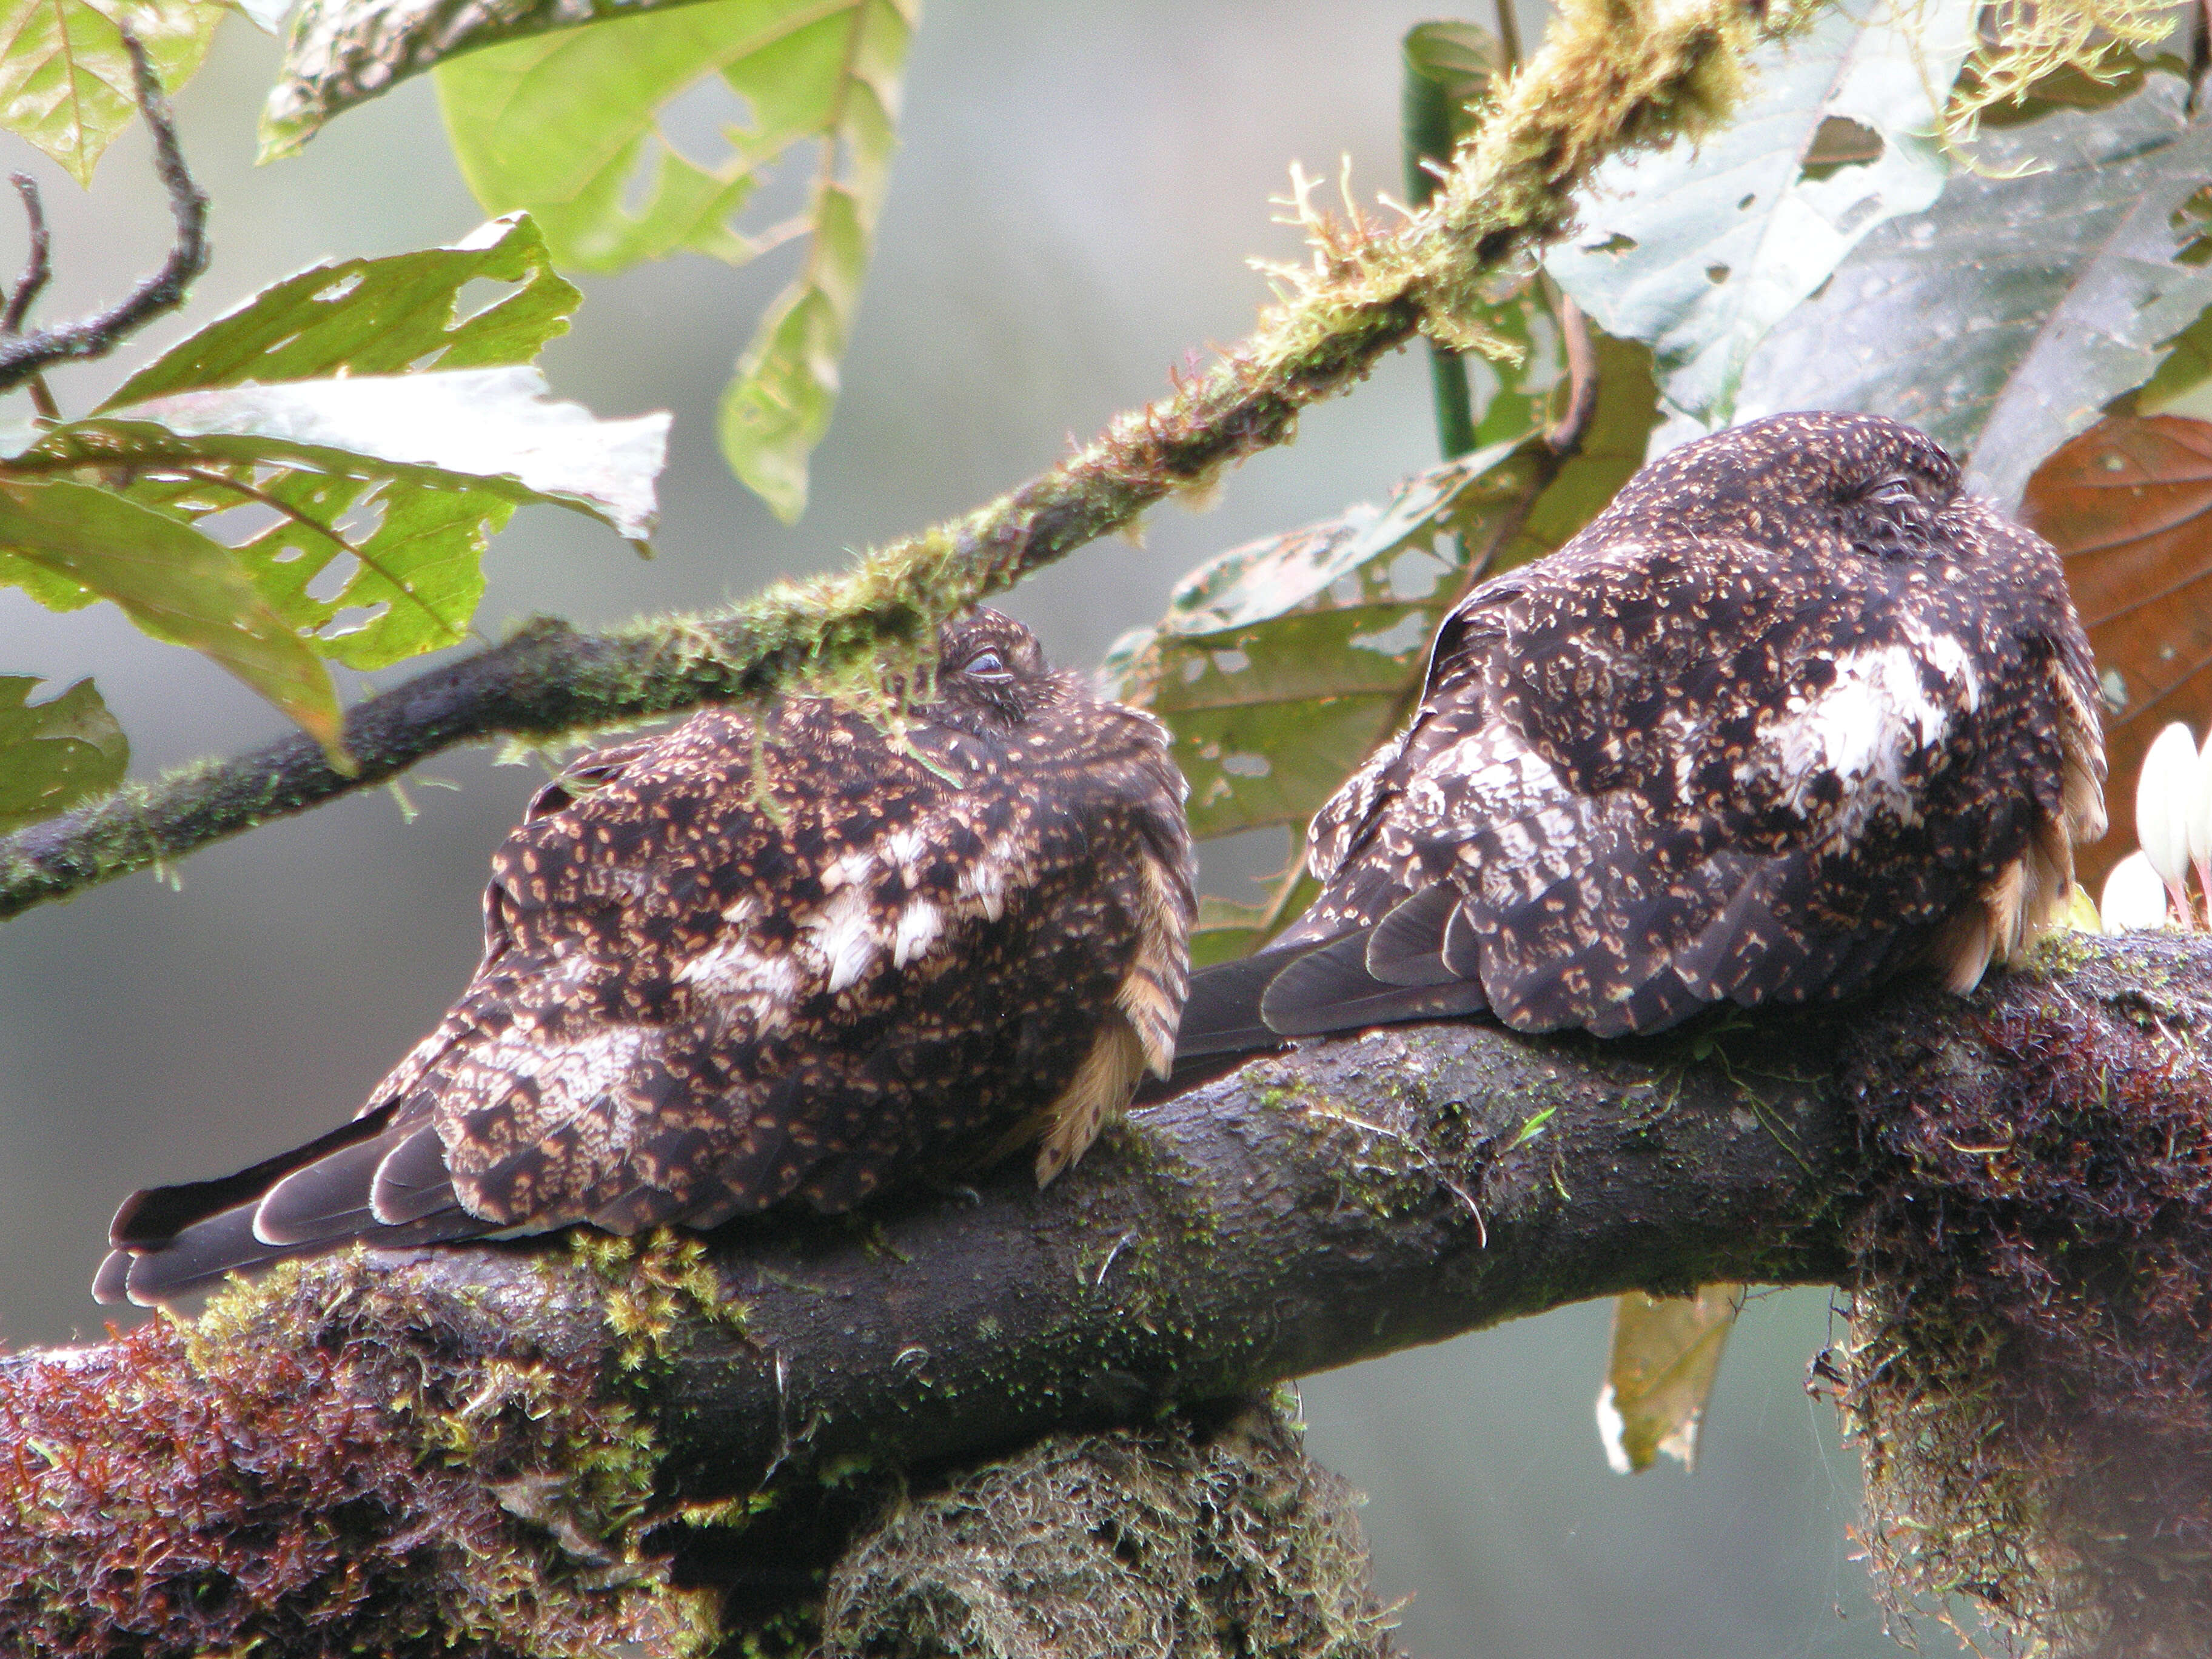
(2134, 897)
(2166, 800)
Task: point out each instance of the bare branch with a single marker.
(1565, 438)
(38, 267)
(25, 355)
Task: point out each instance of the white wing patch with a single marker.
(1868, 727)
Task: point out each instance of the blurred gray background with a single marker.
(1079, 191)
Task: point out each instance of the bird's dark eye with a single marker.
(988, 666)
(1893, 492)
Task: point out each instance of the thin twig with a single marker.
(1565, 438)
(38, 267)
(28, 355)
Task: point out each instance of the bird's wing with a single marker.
(1659, 763)
(724, 991)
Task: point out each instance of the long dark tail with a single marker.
(1262, 1000)
(365, 1181)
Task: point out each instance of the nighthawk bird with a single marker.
(1794, 715)
(755, 959)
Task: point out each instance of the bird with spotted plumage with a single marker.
(801, 955)
(1795, 715)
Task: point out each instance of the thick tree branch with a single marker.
(1311, 1210)
(1614, 74)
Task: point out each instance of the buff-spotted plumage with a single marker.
(795, 957)
(1795, 714)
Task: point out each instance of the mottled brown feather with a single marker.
(794, 955)
(1795, 713)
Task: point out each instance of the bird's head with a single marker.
(1824, 484)
(992, 673)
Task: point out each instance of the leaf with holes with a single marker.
(173, 582)
(2129, 503)
(569, 126)
(56, 753)
(392, 315)
(376, 493)
(2058, 270)
(1700, 250)
(66, 83)
(1280, 664)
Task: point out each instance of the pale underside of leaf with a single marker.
(1666, 1355)
(56, 753)
(470, 424)
(2056, 287)
(65, 81)
(1701, 251)
(170, 581)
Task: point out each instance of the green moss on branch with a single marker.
(1613, 74)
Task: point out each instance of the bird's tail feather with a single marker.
(1221, 1015)
(172, 1241)
(1331, 989)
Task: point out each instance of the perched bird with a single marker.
(1794, 715)
(799, 955)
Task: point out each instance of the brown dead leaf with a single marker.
(1666, 1353)
(2129, 505)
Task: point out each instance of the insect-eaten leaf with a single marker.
(1282, 664)
(2128, 504)
(392, 315)
(2067, 257)
(173, 582)
(1666, 1353)
(66, 83)
(367, 501)
(570, 126)
(56, 753)
(382, 438)
(1700, 250)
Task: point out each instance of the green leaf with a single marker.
(65, 81)
(569, 125)
(777, 409)
(57, 753)
(385, 316)
(369, 493)
(386, 488)
(1699, 252)
(170, 581)
(2061, 265)
(1459, 61)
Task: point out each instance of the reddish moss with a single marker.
(330, 1464)
(2032, 1341)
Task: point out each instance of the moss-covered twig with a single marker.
(1614, 74)
(533, 1416)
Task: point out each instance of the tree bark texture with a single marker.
(604, 1423)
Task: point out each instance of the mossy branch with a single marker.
(1614, 74)
(553, 1449)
